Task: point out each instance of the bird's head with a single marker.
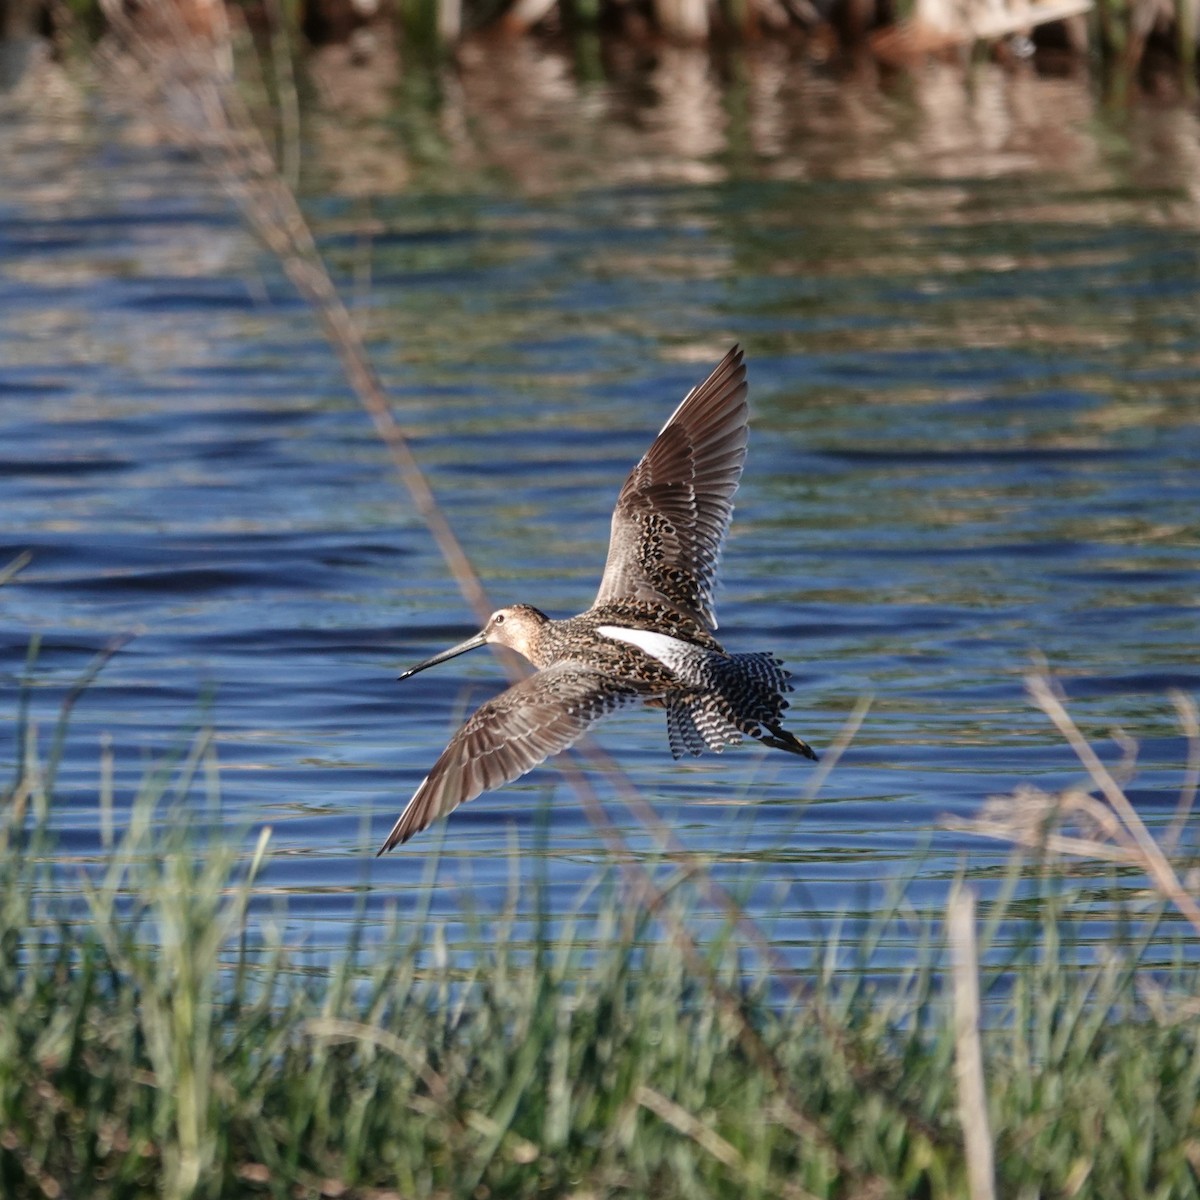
(518, 627)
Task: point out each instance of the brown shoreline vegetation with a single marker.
(1128, 37)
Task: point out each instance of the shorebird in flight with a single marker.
(648, 637)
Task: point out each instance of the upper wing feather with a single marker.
(674, 509)
(507, 736)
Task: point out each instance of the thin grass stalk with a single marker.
(832, 755)
(77, 689)
(1185, 42)
(287, 99)
(1118, 834)
(1157, 865)
(11, 570)
(220, 130)
(1189, 722)
(107, 764)
(20, 788)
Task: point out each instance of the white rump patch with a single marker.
(671, 652)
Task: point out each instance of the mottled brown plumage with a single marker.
(648, 637)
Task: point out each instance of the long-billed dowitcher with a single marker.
(649, 635)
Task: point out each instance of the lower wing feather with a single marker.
(508, 736)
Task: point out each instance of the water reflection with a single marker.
(968, 302)
(681, 115)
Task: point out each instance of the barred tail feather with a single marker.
(743, 695)
(695, 723)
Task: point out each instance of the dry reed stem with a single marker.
(840, 744)
(1001, 829)
(680, 1119)
(1157, 865)
(188, 93)
(9, 572)
(708, 1139)
(1185, 709)
(339, 1029)
(1114, 831)
(286, 96)
(74, 693)
(968, 1049)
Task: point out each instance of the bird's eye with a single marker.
(499, 618)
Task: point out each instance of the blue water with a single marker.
(976, 439)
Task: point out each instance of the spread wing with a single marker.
(508, 736)
(674, 510)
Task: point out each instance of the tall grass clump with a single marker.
(159, 1037)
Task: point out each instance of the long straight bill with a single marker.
(471, 643)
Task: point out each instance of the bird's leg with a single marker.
(783, 740)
